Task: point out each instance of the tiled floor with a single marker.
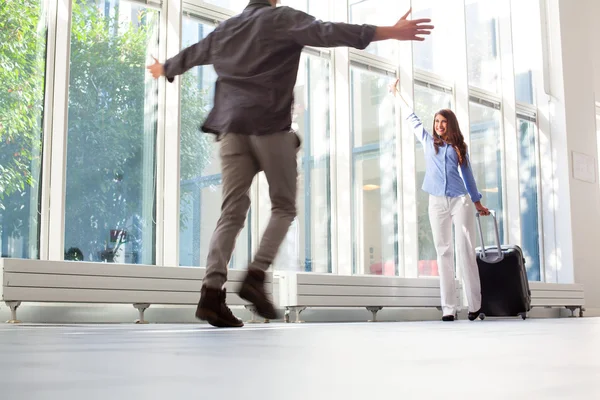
(491, 359)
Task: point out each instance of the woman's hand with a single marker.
(481, 209)
(396, 93)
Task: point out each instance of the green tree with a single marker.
(22, 69)
(111, 119)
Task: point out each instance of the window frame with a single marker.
(341, 154)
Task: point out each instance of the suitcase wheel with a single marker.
(482, 316)
(523, 315)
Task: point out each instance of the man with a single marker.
(256, 56)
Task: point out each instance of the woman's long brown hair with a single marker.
(454, 136)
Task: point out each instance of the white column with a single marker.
(559, 263)
(51, 13)
(341, 156)
(460, 67)
(167, 237)
(547, 154)
(58, 146)
(408, 225)
(579, 136)
(572, 129)
(510, 168)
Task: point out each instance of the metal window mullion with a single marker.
(364, 57)
(151, 4)
(199, 18)
(528, 111)
(433, 86)
(367, 148)
(361, 64)
(432, 80)
(211, 12)
(307, 177)
(485, 101)
(318, 52)
(539, 192)
(527, 117)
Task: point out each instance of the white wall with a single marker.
(575, 75)
(595, 42)
(594, 49)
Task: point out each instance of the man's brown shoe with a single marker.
(253, 290)
(213, 309)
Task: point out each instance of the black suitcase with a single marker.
(504, 284)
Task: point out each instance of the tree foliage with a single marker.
(112, 115)
(22, 68)
(21, 93)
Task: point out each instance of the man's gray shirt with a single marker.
(256, 55)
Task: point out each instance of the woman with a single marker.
(445, 154)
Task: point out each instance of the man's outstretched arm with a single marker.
(305, 30)
(192, 56)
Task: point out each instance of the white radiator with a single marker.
(86, 282)
(548, 295)
(299, 290)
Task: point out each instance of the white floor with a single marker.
(491, 359)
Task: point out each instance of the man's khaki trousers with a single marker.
(242, 158)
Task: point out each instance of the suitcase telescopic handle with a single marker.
(489, 256)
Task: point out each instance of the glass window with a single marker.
(111, 185)
(432, 55)
(482, 45)
(22, 79)
(428, 101)
(527, 53)
(374, 223)
(373, 117)
(200, 173)
(376, 12)
(485, 152)
(307, 246)
(528, 183)
(311, 121)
